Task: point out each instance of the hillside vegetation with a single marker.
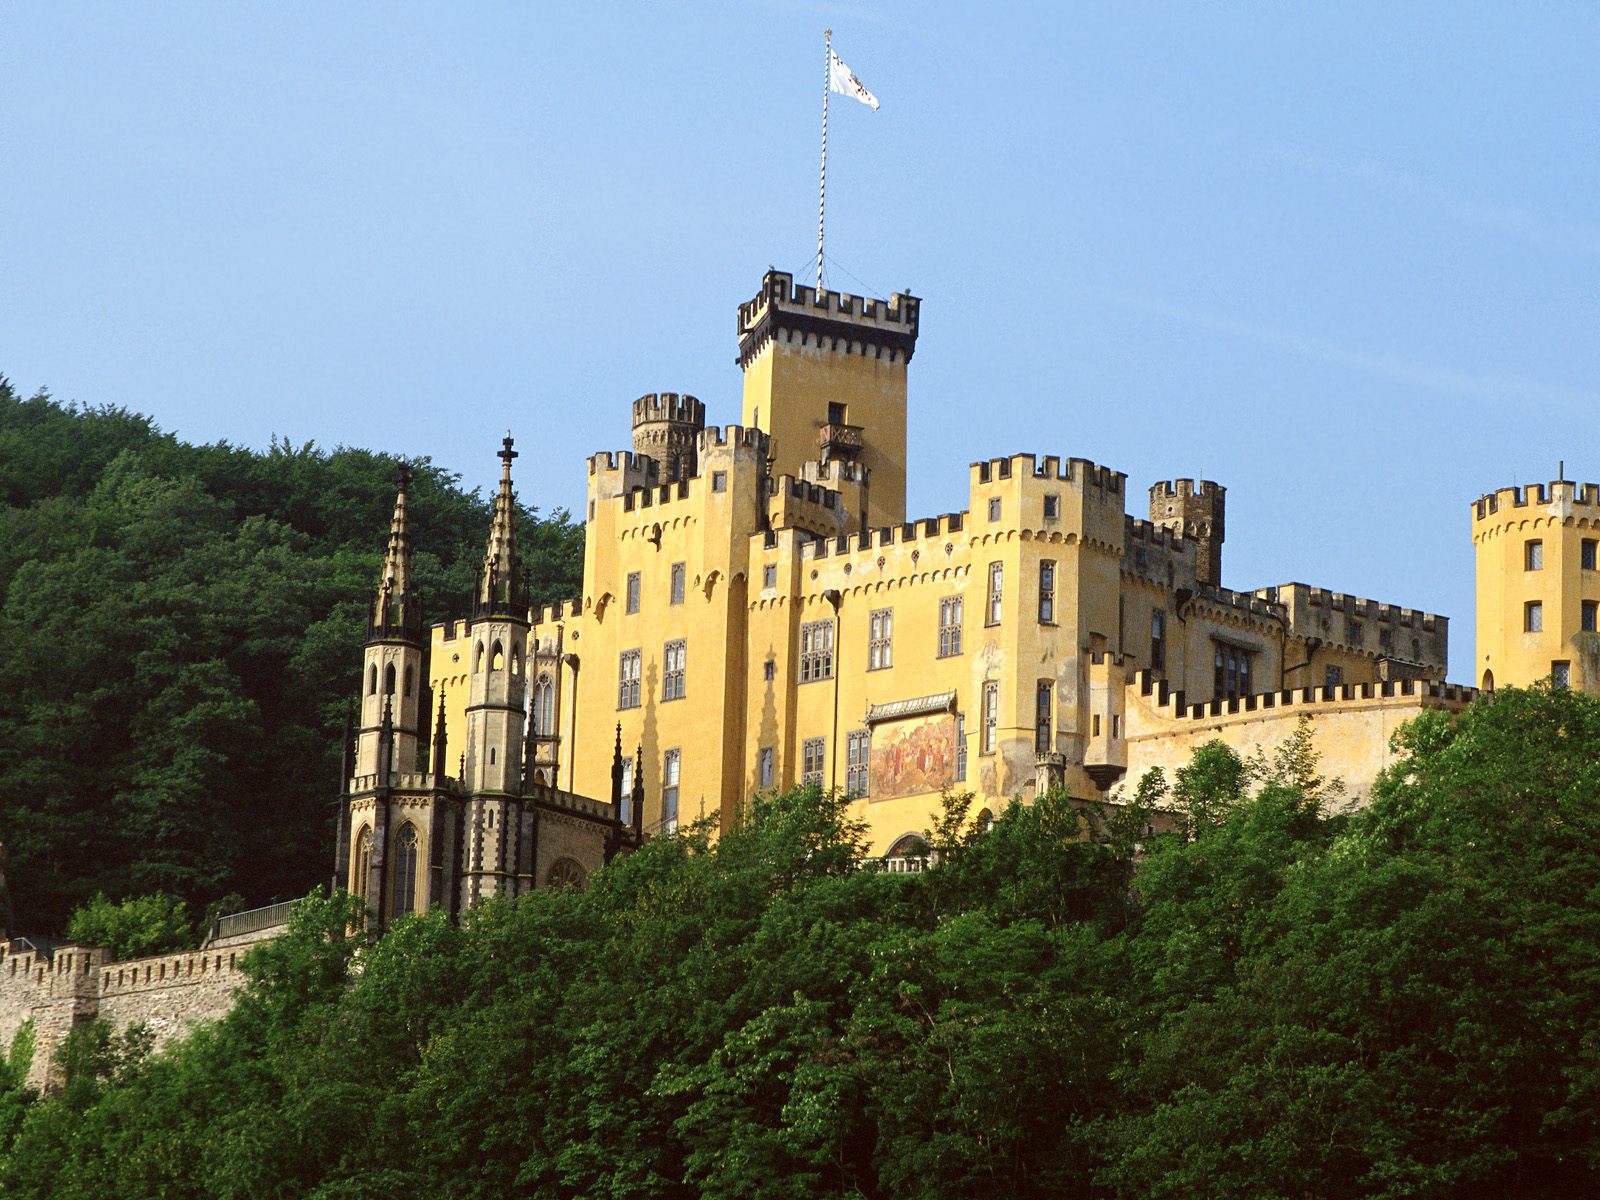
(1274, 1002)
(180, 632)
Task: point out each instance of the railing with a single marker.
(252, 920)
(838, 439)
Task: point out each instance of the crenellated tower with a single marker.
(825, 378)
(1196, 511)
(393, 666)
(496, 705)
(665, 428)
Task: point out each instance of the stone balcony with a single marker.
(838, 441)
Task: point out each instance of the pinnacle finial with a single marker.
(403, 473)
(506, 453)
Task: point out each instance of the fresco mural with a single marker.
(912, 758)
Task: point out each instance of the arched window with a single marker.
(405, 871)
(568, 873)
(1488, 681)
(985, 821)
(363, 864)
(477, 663)
(497, 658)
(388, 680)
(411, 678)
(544, 706)
(372, 680)
(907, 856)
(516, 662)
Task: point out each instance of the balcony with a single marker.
(839, 441)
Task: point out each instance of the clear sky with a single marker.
(1341, 258)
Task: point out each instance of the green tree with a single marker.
(134, 928)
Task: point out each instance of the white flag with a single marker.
(842, 80)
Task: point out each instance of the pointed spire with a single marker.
(616, 775)
(638, 794)
(395, 610)
(439, 743)
(501, 585)
(386, 743)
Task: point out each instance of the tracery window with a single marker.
(816, 651)
(880, 639)
(544, 706)
(949, 626)
(673, 657)
(363, 867)
(567, 873)
(628, 670)
(405, 871)
(858, 750)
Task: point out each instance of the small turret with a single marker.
(439, 744)
(665, 426)
(1196, 511)
(393, 657)
(396, 609)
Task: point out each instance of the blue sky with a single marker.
(1342, 259)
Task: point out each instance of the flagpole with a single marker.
(822, 186)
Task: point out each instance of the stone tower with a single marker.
(496, 704)
(1197, 511)
(825, 378)
(1538, 585)
(665, 428)
(392, 675)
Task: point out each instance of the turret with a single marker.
(392, 671)
(825, 377)
(665, 425)
(1196, 511)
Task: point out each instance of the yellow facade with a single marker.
(749, 619)
(1538, 589)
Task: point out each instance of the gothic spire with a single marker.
(395, 609)
(501, 587)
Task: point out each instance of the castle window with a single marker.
(994, 509)
(1589, 619)
(405, 871)
(677, 583)
(769, 669)
(477, 662)
(719, 481)
(1533, 555)
(949, 626)
(497, 658)
(1047, 593)
(996, 580)
(1561, 675)
(836, 413)
(764, 769)
(1586, 553)
(769, 575)
(627, 789)
(628, 671)
(816, 651)
(372, 680)
(1333, 677)
(1052, 507)
(544, 706)
(991, 717)
(857, 750)
(516, 661)
(670, 766)
(673, 658)
(961, 746)
(388, 680)
(411, 679)
(1232, 676)
(1158, 639)
(633, 593)
(1533, 617)
(1044, 733)
(813, 754)
(880, 639)
(363, 867)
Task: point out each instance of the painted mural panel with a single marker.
(911, 758)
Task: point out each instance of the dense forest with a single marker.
(180, 632)
(1278, 999)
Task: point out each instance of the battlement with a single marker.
(670, 407)
(1556, 491)
(1356, 607)
(803, 489)
(1078, 471)
(1179, 488)
(1243, 601)
(1159, 537)
(165, 971)
(838, 471)
(714, 436)
(624, 462)
(927, 528)
(1173, 706)
(561, 610)
(783, 310)
(649, 497)
(404, 781)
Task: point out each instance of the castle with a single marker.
(757, 612)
